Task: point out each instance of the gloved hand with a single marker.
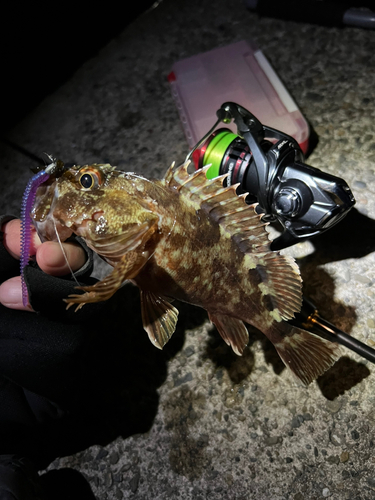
(48, 257)
(40, 351)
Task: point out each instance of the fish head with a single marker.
(96, 202)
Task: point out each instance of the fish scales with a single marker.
(189, 238)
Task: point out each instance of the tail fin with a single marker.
(307, 355)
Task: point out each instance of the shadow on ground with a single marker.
(352, 238)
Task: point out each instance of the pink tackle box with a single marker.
(238, 73)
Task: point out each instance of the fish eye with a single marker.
(89, 180)
(86, 181)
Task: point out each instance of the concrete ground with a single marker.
(226, 427)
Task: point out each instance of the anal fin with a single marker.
(305, 354)
(232, 330)
(159, 318)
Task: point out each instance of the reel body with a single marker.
(269, 166)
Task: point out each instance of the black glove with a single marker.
(40, 352)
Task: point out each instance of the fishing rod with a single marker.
(309, 319)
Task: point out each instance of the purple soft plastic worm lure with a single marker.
(27, 205)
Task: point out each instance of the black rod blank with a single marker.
(309, 319)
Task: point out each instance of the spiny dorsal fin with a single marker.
(195, 185)
(223, 206)
(281, 277)
(168, 175)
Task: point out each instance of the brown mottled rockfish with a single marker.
(189, 238)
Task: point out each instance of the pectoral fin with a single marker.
(233, 331)
(111, 248)
(129, 265)
(159, 318)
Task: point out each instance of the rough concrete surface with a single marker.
(227, 427)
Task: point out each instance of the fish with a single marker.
(189, 238)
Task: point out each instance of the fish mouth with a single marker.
(54, 229)
(63, 233)
(87, 227)
(51, 229)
